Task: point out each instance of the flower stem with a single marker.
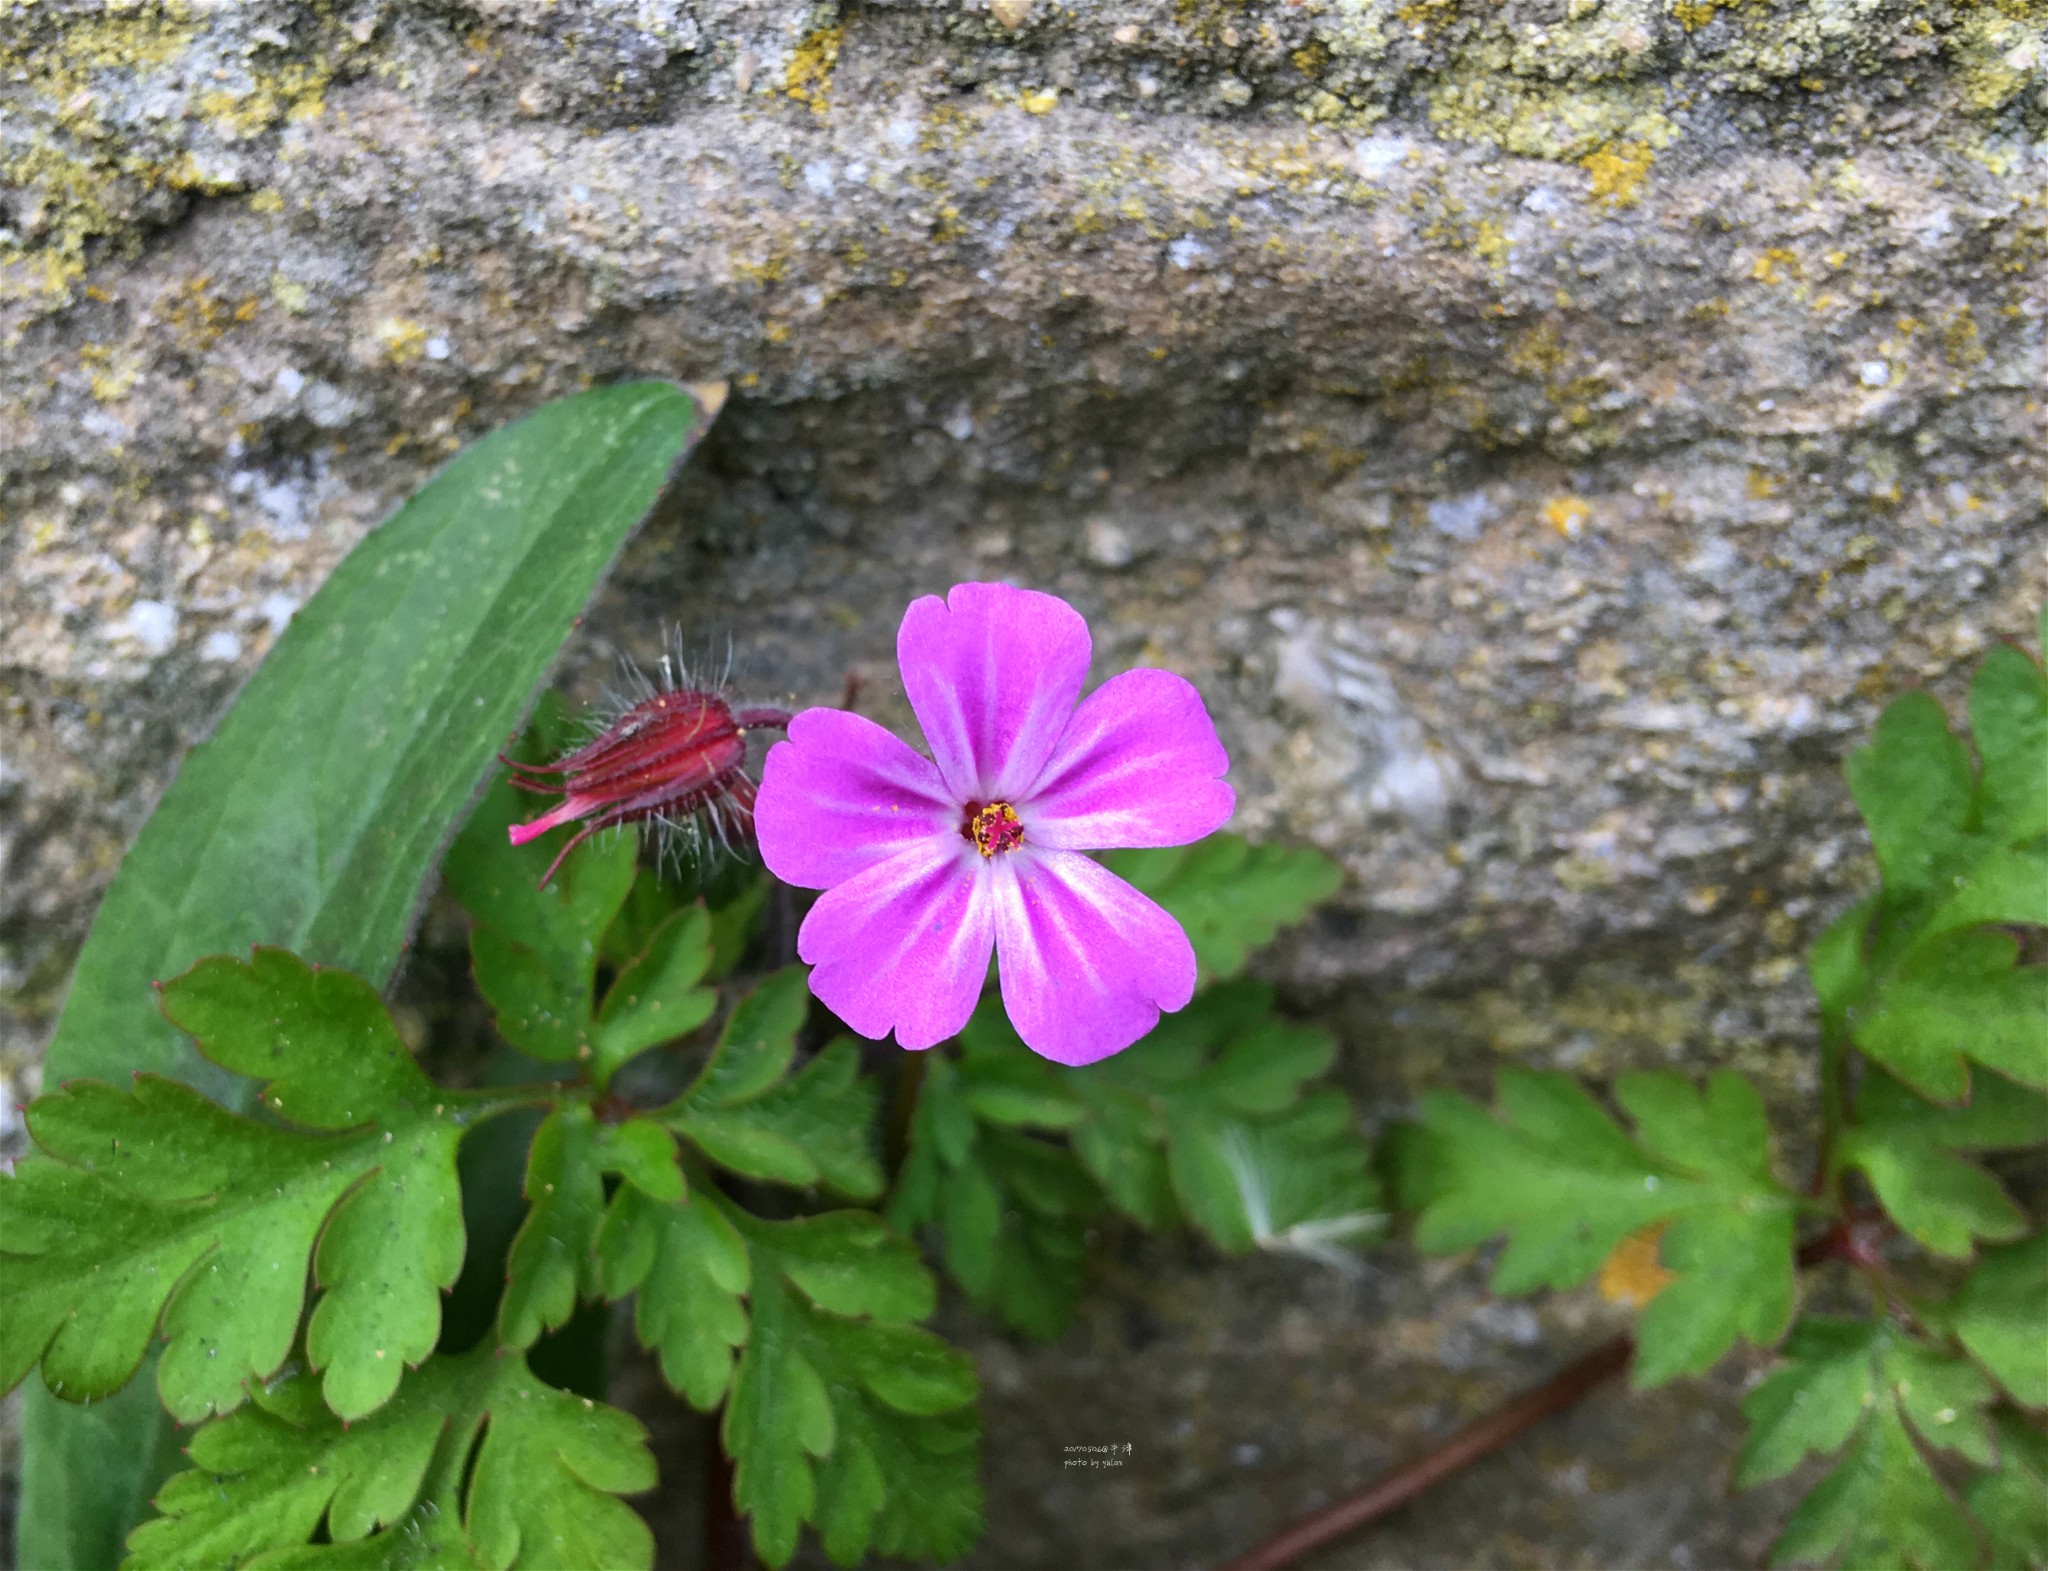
(903, 1111)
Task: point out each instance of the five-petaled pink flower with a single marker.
(928, 865)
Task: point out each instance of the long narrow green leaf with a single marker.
(313, 816)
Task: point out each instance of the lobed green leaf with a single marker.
(1873, 1388)
(399, 1489)
(1999, 1314)
(158, 1205)
(1556, 1174)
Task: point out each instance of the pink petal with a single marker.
(840, 796)
(992, 673)
(904, 945)
(1136, 767)
(1087, 963)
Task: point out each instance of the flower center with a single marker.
(992, 828)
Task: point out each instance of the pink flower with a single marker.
(928, 866)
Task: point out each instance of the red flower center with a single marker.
(992, 827)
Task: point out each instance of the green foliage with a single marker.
(156, 1202)
(842, 1413)
(553, 1261)
(1230, 895)
(1011, 1208)
(312, 815)
(746, 1111)
(2012, 1501)
(394, 1490)
(1935, 980)
(1999, 1316)
(1556, 1173)
(1210, 1118)
(1907, 1149)
(1876, 1390)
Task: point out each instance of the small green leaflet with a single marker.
(841, 1413)
(1555, 1173)
(157, 1203)
(391, 1490)
(1862, 1384)
(691, 1269)
(1230, 895)
(1962, 852)
(2012, 1502)
(553, 1261)
(747, 1113)
(1208, 1118)
(537, 950)
(2001, 1316)
(1907, 1149)
(1012, 1209)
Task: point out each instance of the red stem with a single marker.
(1467, 1446)
(1857, 1238)
(726, 1544)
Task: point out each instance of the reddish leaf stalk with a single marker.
(1858, 1238)
(1467, 1446)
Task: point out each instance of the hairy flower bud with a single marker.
(676, 756)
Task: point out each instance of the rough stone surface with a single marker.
(1547, 431)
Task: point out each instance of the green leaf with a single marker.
(1913, 785)
(839, 1413)
(815, 1127)
(1933, 985)
(156, 1203)
(1862, 1384)
(397, 1489)
(1959, 994)
(1906, 1148)
(554, 1261)
(1011, 1210)
(536, 950)
(1555, 1173)
(1999, 1318)
(1882, 1506)
(2009, 719)
(1209, 1118)
(2012, 1502)
(690, 1267)
(862, 1426)
(655, 998)
(1230, 895)
(311, 816)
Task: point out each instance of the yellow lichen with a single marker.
(808, 76)
(401, 339)
(1960, 344)
(1773, 265)
(1041, 101)
(1568, 515)
(1618, 172)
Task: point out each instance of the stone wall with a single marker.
(1546, 431)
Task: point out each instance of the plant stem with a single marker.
(903, 1111)
(1469, 1444)
(726, 1545)
(1834, 1111)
